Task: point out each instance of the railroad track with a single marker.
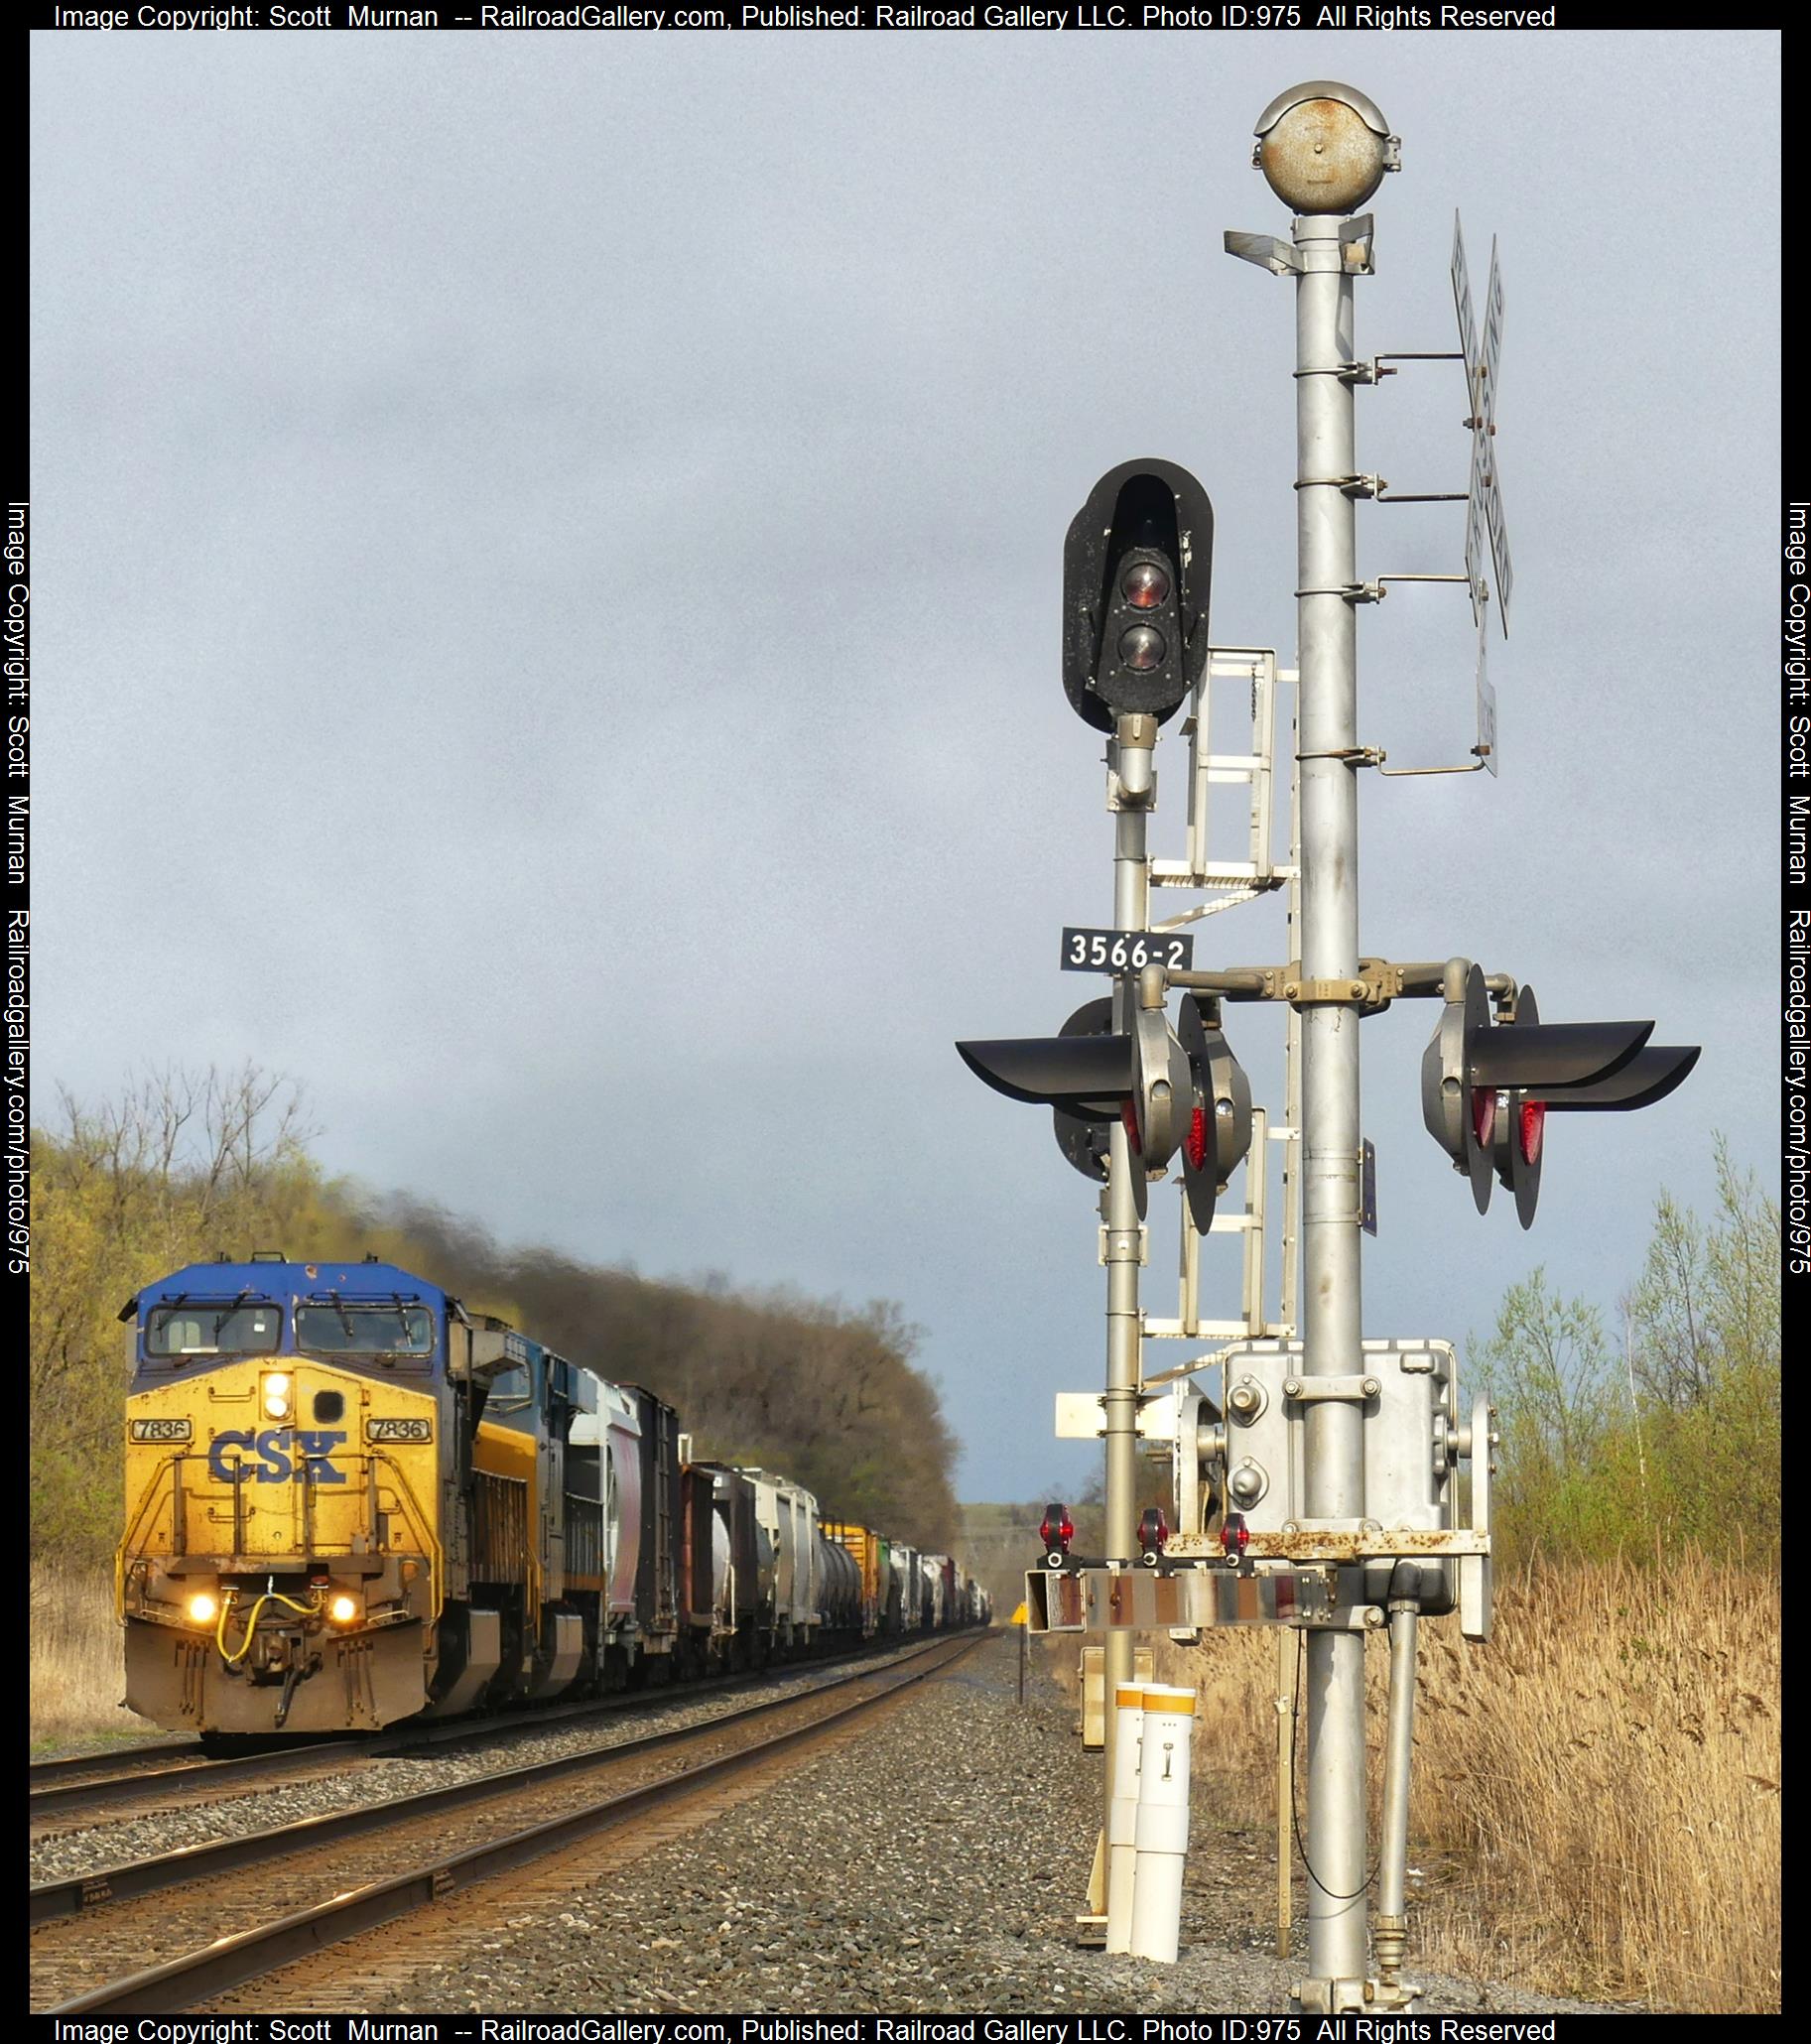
(331, 1876)
(66, 1792)
(50, 1774)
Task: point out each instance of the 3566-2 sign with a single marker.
(1125, 950)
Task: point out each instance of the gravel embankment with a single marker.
(931, 1865)
(93, 1843)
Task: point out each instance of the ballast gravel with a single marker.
(929, 1865)
(99, 1843)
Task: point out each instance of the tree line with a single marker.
(180, 1167)
(1657, 1430)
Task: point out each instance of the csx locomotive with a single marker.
(350, 1501)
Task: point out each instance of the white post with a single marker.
(1123, 1818)
(1162, 1827)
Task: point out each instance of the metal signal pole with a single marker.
(1333, 1441)
(1323, 150)
(1132, 788)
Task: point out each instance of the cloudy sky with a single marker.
(548, 563)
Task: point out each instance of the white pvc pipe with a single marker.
(1161, 1828)
(1123, 1818)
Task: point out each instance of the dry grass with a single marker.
(1596, 1792)
(77, 1668)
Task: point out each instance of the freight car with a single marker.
(350, 1501)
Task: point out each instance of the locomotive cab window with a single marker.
(398, 1332)
(229, 1328)
(511, 1389)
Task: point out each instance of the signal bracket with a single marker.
(1372, 987)
(1118, 1245)
(1348, 485)
(1354, 1389)
(1373, 370)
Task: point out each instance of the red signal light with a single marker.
(1144, 585)
(1533, 1124)
(1129, 1113)
(1153, 1530)
(1235, 1535)
(1058, 1529)
(1195, 1143)
(1483, 1115)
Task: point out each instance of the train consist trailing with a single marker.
(350, 1501)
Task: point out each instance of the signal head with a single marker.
(1136, 569)
(1517, 1141)
(1217, 1133)
(1084, 1142)
(1487, 1092)
(1451, 1108)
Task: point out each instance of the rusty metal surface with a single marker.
(1322, 157)
(1133, 1599)
(1320, 1545)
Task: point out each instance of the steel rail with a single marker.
(398, 1740)
(51, 1900)
(61, 1770)
(231, 1961)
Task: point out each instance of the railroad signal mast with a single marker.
(1314, 1471)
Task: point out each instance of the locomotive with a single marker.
(350, 1501)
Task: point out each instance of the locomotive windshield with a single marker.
(365, 1330)
(225, 1328)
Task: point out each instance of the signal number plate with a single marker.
(1126, 951)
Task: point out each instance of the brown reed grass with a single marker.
(78, 1667)
(1595, 1807)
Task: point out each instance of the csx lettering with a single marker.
(285, 1452)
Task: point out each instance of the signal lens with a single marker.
(342, 1611)
(1483, 1115)
(1234, 1536)
(203, 1610)
(277, 1395)
(1195, 1143)
(1141, 648)
(1129, 1113)
(1058, 1529)
(1144, 585)
(1153, 1529)
(1533, 1120)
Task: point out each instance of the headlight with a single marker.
(277, 1395)
(399, 1430)
(342, 1609)
(202, 1609)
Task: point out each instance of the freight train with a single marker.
(350, 1501)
